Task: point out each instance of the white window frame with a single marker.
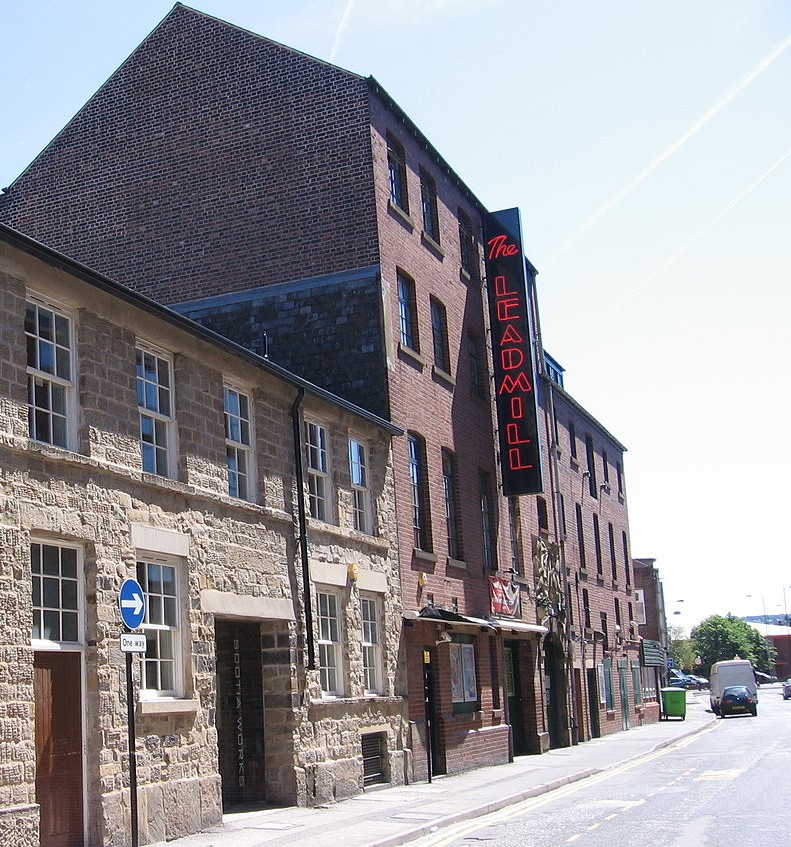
(329, 611)
(51, 379)
(371, 640)
(66, 586)
(150, 410)
(239, 440)
(361, 494)
(317, 453)
(162, 626)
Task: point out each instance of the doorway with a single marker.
(557, 712)
(622, 677)
(437, 759)
(57, 686)
(513, 688)
(593, 702)
(240, 712)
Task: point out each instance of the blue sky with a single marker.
(648, 146)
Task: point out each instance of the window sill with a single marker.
(167, 706)
(412, 355)
(443, 376)
(466, 277)
(399, 214)
(456, 563)
(432, 245)
(424, 555)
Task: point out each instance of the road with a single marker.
(730, 784)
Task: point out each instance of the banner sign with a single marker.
(652, 654)
(512, 346)
(505, 598)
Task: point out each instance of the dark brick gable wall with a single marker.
(328, 330)
(213, 160)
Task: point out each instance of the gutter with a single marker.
(303, 528)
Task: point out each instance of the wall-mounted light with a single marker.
(422, 579)
(351, 571)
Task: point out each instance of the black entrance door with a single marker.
(437, 763)
(240, 712)
(513, 687)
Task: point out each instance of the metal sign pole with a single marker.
(130, 723)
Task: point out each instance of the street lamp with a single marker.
(785, 605)
(763, 603)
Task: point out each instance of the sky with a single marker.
(648, 147)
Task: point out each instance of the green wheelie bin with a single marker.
(674, 703)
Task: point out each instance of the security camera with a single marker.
(617, 627)
(444, 638)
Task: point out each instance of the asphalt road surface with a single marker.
(728, 785)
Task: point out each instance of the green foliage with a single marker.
(682, 650)
(720, 638)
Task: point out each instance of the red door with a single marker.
(59, 748)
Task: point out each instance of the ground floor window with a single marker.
(463, 679)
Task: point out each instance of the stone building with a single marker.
(294, 207)
(137, 444)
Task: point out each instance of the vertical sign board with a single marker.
(512, 352)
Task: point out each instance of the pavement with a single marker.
(389, 816)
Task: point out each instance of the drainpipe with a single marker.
(303, 528)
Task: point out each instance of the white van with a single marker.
(733, 672)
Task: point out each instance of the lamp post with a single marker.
(785, 606)
(763, 603)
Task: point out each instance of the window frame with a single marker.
(450, 485)
(239, 447)
(468, 253)
(429, 206)
(408, 333)
(421, 516)
(439, 335)
(54, 380)
(330, 648)
(40, 609)
(488, 546)
(162, 435)
(372, 653)
(317, 463)
(515, 531)
(162, 633)
(397, 173)
(361, 492)
(464, 692)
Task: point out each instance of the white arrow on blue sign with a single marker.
(132, 603)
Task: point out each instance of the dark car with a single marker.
(787, 690)
(738, 700)
(680, 680)
(762, 678)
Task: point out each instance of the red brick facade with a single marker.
(216, 162)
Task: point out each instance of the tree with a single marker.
(720, 638)
(681, 649)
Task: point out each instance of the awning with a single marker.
(507, 625)
(431, 614)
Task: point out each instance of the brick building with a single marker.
(136, 443)
(293, 206)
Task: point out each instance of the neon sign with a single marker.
(514, 376)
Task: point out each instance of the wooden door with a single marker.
(59, 748)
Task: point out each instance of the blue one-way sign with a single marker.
(132, 603)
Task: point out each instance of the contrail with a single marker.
(341, 29)
(692, 240)
(669, 151)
